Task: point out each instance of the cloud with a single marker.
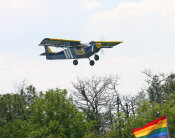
(126, 13)
(146, 27)
(91, 4)
(141, 8)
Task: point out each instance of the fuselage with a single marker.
(77, 52)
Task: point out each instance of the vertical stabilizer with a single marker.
(47, 49)
(47, 52)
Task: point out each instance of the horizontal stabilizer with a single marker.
(43, 54)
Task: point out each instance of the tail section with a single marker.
(47, 51)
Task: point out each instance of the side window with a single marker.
(79, 50)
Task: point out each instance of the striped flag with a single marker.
(155, 129)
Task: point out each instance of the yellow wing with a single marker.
(59, 42)
(107, 44)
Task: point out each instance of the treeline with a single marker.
(94, 109)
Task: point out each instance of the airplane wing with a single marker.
(107, 44)
(59, 42)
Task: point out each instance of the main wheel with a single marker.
(96, 57)
(92, 62)
(75, 62)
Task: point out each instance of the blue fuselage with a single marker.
(74, 52)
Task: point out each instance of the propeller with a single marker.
(102, 51)
(102, 38)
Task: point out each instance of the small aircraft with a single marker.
(73, 49)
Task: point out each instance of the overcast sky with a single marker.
(147, 28)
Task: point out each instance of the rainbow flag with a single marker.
(155, 129)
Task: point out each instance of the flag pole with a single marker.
(167, 126)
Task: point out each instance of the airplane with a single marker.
(74, 49)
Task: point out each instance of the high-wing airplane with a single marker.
(73, 49)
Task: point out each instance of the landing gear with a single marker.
(92, 62)
(96, 57)
(75, 62)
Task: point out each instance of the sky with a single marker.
(146, 27)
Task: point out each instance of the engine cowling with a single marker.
(98, 45)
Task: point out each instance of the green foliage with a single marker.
(147, 112)
(149, 109)
(48, 115)
(52, 114)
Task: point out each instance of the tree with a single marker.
(48, 115)
(154, 89)
(54, 115)
(160, 86)
(157, 100)
(14, 109)
(98, 96)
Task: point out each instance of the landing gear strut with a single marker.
(75, 62)
(96, 57)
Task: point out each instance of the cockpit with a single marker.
(79, 49)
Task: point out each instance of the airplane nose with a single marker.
(98, 45)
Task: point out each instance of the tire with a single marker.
(96, 57)
(75, 62)
(92, 62)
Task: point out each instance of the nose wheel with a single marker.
(75, 62)
(96, 57)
